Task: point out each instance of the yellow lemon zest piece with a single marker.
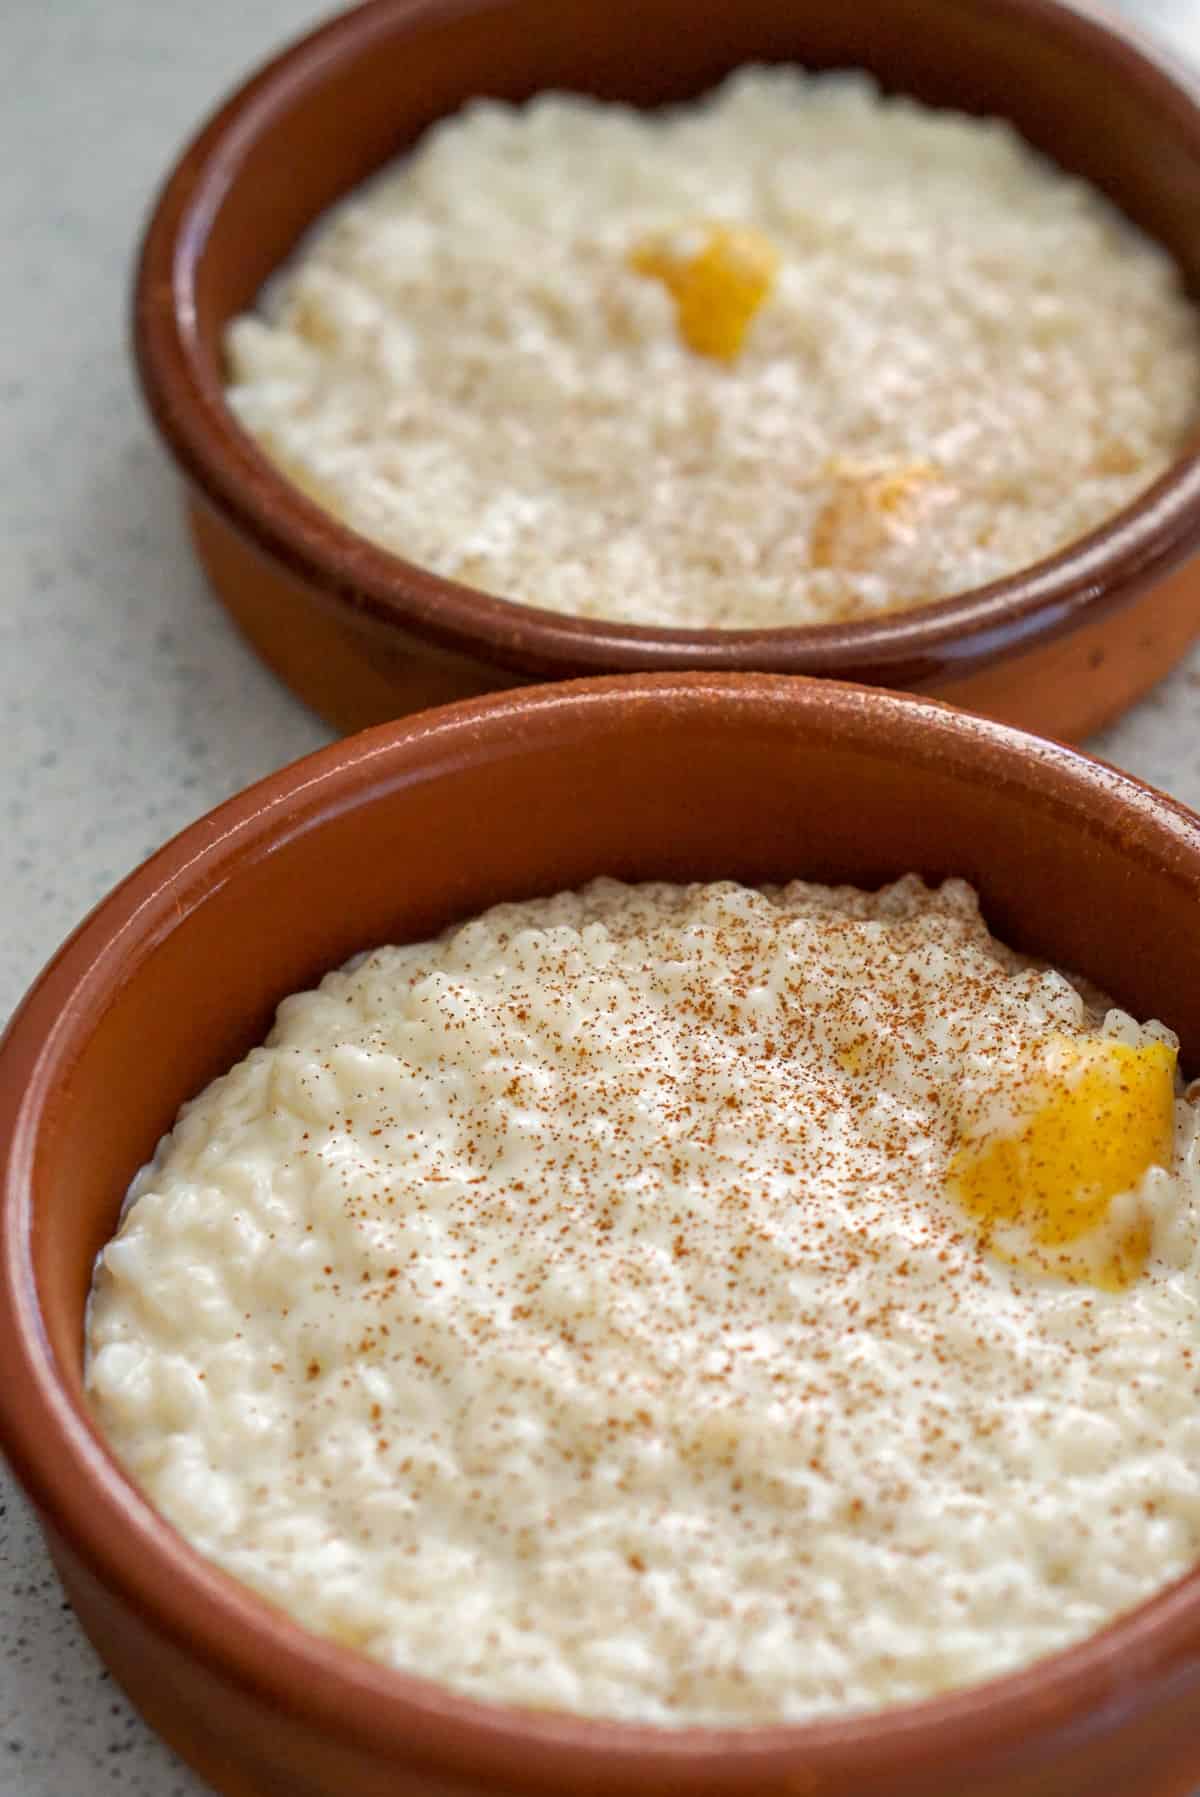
(717, 287)
(1082, 1140)
(871, 505)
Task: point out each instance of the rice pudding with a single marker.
(788, 355)
(684, 1304)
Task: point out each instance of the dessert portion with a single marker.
(791, 354)
(687, 1304)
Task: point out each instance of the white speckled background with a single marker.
(127, 704)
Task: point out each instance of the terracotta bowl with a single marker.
(363, 635)
(177, 974)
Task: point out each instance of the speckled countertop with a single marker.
(127, 704)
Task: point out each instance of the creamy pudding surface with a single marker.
(791, 354)
(678, 1303)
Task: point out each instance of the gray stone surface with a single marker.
(128, 706)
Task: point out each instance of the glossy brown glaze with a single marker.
(363, 635)
(389, 836)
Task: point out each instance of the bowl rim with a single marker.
(92, 1506)
(1137, 546)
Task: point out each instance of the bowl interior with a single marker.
(367, 87)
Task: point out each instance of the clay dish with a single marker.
(363, 635)
(378, 838)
